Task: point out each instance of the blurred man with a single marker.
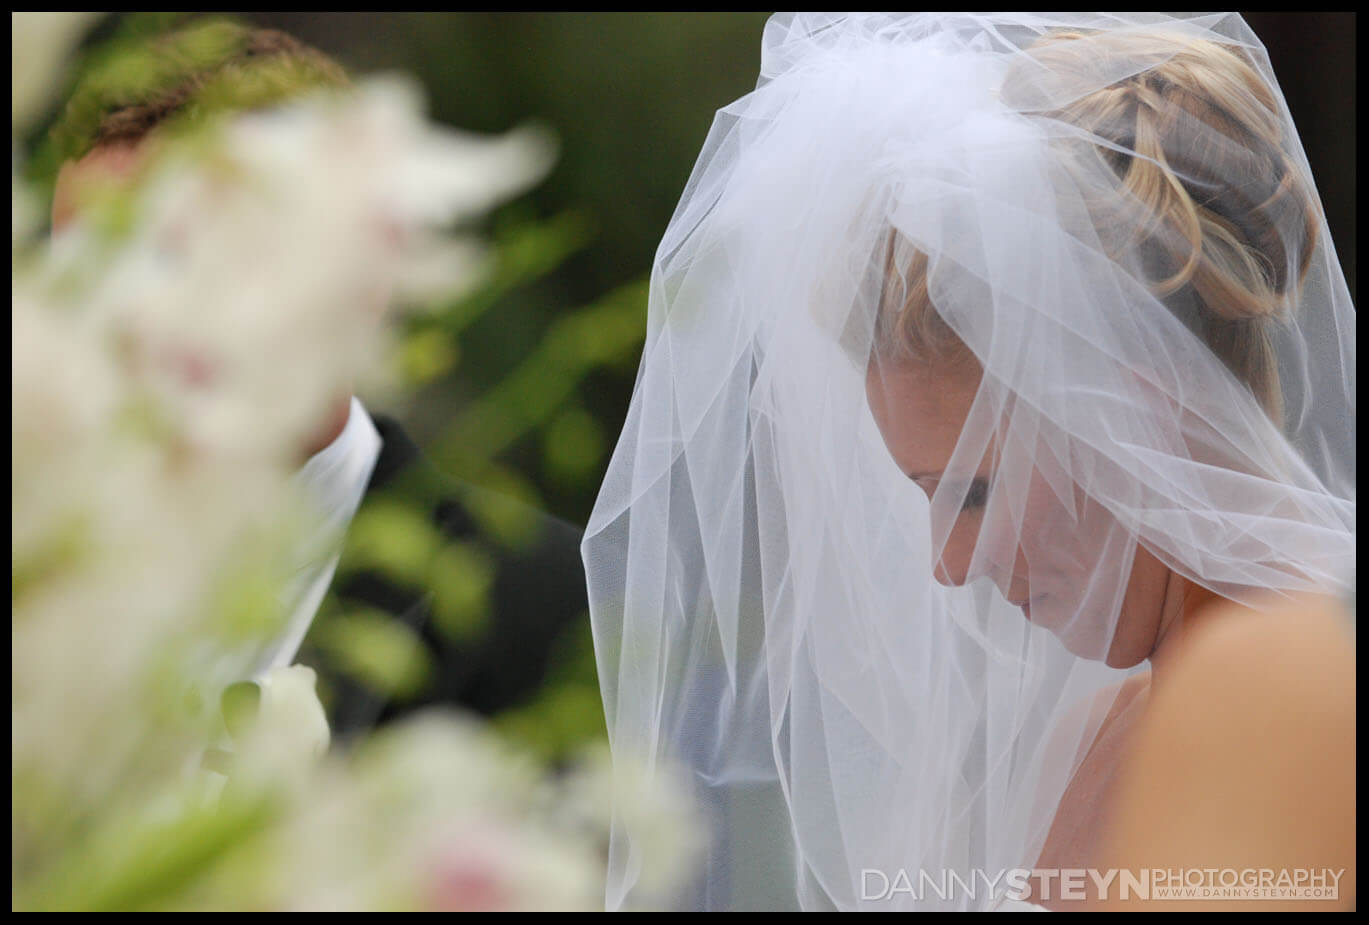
(354, 461)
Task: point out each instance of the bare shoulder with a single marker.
(1299, 647)
(1245, 755)
(1314, 619)
(1108, 704)
(1251, 687)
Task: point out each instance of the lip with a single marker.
(1027, 605)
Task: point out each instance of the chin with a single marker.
(1121, 657)
(1124, 651)
(1087, 639)
(1091, 641)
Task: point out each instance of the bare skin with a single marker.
(119, 163)
(1111, 811)
(921, 411)
(1245, 758)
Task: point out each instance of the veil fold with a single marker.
(879, 677)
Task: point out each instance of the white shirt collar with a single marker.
(335, 478)
(336, 475)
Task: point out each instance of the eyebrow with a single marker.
(977, 477)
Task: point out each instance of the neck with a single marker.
(1185, 606)
(339, 412)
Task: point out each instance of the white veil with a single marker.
(1141, 279)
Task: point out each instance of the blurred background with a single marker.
(631, 96)
(525, 385)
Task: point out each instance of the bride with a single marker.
(987, 356)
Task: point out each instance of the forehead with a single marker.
(105, 164)
(920, 410)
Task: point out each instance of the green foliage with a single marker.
(427, 354)
(239, 705)
(377, 650)
(462, 575)
(524, 382)
(513, 362)
(393, 536)
(573, 446)
(524, 250)
(537, 398)
(545, 380)
(60, 137)
(521, 381)
(567, 713)
(63, 548)
(143, 860)
(193, 71)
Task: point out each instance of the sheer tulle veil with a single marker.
(973, 337)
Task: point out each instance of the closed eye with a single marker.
(976, 495)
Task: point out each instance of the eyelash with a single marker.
(977, 496)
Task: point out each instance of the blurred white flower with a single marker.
(652, 803)
(170, 353)
(39, 45)
(287, 733)
(435, 814)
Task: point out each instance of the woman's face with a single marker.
(1017, 516)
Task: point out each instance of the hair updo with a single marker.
(1218, 216)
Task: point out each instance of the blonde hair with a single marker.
(1235, 257)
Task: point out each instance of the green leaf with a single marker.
(377, 650)
(143, 859)
(393, 538)
(428, 354)
(462, 576)
(572, 446)
(239, 705)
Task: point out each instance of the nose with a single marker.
(968, 553)
(952, 569)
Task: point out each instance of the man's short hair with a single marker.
(207, 68)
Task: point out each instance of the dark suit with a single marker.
(534, 596)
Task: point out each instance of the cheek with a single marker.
(1058, 536)
(960, 545)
